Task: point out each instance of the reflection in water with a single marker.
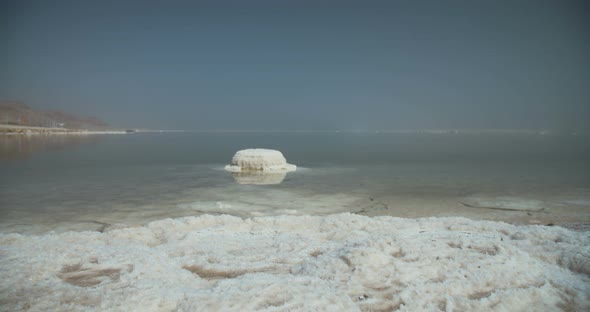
(23, 146)
(259, 177)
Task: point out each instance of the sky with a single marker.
(302, 65)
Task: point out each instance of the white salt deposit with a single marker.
(259, 159)
(336, 263)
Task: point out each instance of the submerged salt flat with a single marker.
(89, 198)
(339, 262)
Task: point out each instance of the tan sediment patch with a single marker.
(85, 277)
(215, 274)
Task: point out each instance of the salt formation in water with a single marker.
(259, 159)
(339, 262)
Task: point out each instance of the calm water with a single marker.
(91, 182)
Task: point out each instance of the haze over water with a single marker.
(132, 179)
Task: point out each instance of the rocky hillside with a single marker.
(16, 113)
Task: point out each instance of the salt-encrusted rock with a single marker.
(259, 159)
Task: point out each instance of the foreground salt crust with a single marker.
(259, 159)
(339, 263)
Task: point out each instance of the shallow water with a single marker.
(93, 182)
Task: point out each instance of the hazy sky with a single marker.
(302, 64)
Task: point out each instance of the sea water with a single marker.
(59, 183)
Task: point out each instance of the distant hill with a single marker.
(17, 113)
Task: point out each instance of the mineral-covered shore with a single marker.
(339, 262)
(22, 130)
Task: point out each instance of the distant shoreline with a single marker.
(24, 130)
(525, 132)
(9, 129)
